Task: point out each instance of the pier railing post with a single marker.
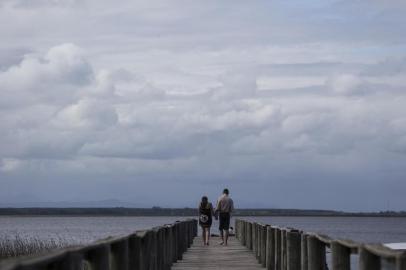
(258, 251)
(340, 256)
(254, 238)
(99, 257)
(368, 261)
(316, 253)
(293, 247)
(303, 257)
(278, 249)
(120, 255)
(72, 261)
(263, 244)
(134, 251)
(174, 233)
(270, 248)
(249, 235)
(283, 249)
(401, 262)
(237, 229)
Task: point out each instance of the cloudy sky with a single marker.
(290, 104)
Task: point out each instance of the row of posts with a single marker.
(154, 249)
(290, 249)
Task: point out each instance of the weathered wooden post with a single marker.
(270, 248)
(145, 250)
(99, 257)
(283, 249)
(72, 261)
(303, 256)
(174, 232)
(161, 248)
(134, 251)
(242, 233)
(367, 260)
(249, 235)
(153, 250)
(340, 256)
(165, 246)
(237, 229)
(179, 233)
(254, 238)
(259, 242)
(278, 249)
(120, 255)
(293, 247)
(263, 244)
(316, 253)
(401, 261)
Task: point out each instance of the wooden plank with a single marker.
(215, 256)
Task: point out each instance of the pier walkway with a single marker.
(215, 256)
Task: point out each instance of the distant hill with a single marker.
(158, 211)
(109, 203)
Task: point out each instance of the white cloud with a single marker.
(176, 96)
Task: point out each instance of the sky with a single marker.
(289, 104)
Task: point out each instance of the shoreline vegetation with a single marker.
(17, 245)
(158, 211)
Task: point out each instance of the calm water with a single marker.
(77, 230)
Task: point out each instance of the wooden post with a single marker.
(278, 251)
(368, 261)
(304, 252)
(293, 247)
(283, 249)
(249, 235)
(144, 250)
(263, 244)
(254, 238)
(120, 255)
(174, 243)
(316, 253)
(168, 248)
(179, 232)
(242, 233)
(134, 250)
(160, 248)
(401, 262)
(270, 248)
(237, 229)
(72, 261)
(99, 257)
(341, 256)
(259, 242)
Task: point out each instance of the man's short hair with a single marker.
(225, 191)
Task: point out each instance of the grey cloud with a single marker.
(196, 98)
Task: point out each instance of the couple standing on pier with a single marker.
(223, 210)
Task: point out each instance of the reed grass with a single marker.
(17, 245)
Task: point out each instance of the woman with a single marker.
(206, 213)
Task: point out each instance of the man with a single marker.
(225, 206)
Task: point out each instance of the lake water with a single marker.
(79, 230)
(82, 230)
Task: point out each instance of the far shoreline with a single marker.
(182, 212)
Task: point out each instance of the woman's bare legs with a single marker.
(208, 236)
(204, 235)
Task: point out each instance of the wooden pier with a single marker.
(256, 246)
(215, 256)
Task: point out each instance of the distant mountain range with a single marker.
(67, 204)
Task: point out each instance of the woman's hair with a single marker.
(204, 202)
